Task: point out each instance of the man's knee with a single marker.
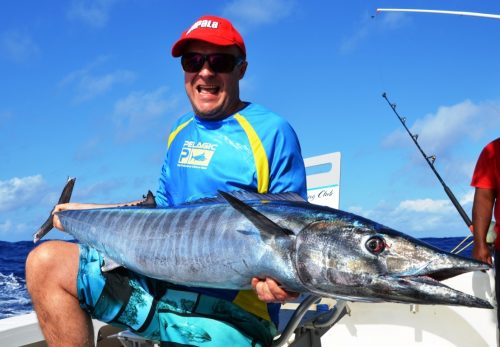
(52, 261)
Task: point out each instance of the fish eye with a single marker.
(375, 245)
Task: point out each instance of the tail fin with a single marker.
(64, 198)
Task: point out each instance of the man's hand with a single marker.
(482, 253)
(269, 291)
(63, 207)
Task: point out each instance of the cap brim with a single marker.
(179, 46)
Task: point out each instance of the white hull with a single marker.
(24, 330)
(396, 325)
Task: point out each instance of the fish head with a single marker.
(361, 260)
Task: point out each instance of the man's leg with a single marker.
(51, 278)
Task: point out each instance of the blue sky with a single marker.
(89, 89)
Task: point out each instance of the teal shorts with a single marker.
(160, 311)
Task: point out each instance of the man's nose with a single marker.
(206, 69)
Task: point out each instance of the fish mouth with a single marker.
(427, 288)
(446, 273)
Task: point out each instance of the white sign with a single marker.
(323, 186)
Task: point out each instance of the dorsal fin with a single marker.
(147, 202)
(267, 227)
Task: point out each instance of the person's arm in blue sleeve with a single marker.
(286, 165)
(162, 197)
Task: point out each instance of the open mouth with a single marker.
(207, 89)
(429, 288)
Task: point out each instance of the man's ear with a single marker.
(243, 69)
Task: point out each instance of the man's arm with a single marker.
(484, 200)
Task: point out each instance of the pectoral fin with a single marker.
(267, 227)
(109, 264)
(64, 198)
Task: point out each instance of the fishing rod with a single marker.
(430, 160)
(458, 13)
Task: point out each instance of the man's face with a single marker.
(213, 95)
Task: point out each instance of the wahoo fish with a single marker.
(225, 241)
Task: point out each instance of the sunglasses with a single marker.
(218, 62)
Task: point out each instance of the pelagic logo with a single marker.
(196, 154)
(206, 23)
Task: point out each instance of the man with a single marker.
(486, 179)
(224, 144)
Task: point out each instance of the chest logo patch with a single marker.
(196, 154)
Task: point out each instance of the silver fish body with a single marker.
(208, 246)
(307, 248)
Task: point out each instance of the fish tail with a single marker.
(64, 198)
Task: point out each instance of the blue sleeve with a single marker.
(286, 165)
(162, 196)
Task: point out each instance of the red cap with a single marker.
(212, 29)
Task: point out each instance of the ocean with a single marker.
(14, 298)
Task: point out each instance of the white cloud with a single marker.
(18, 47)
(141, 111)
(450, 125)
(17, 191)
(246, 14)
(424, 205)
(9, 228)
(453, 134)
(420, 217)
(94, 13)
(89, 84)
(467, 198)
(6, 226)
